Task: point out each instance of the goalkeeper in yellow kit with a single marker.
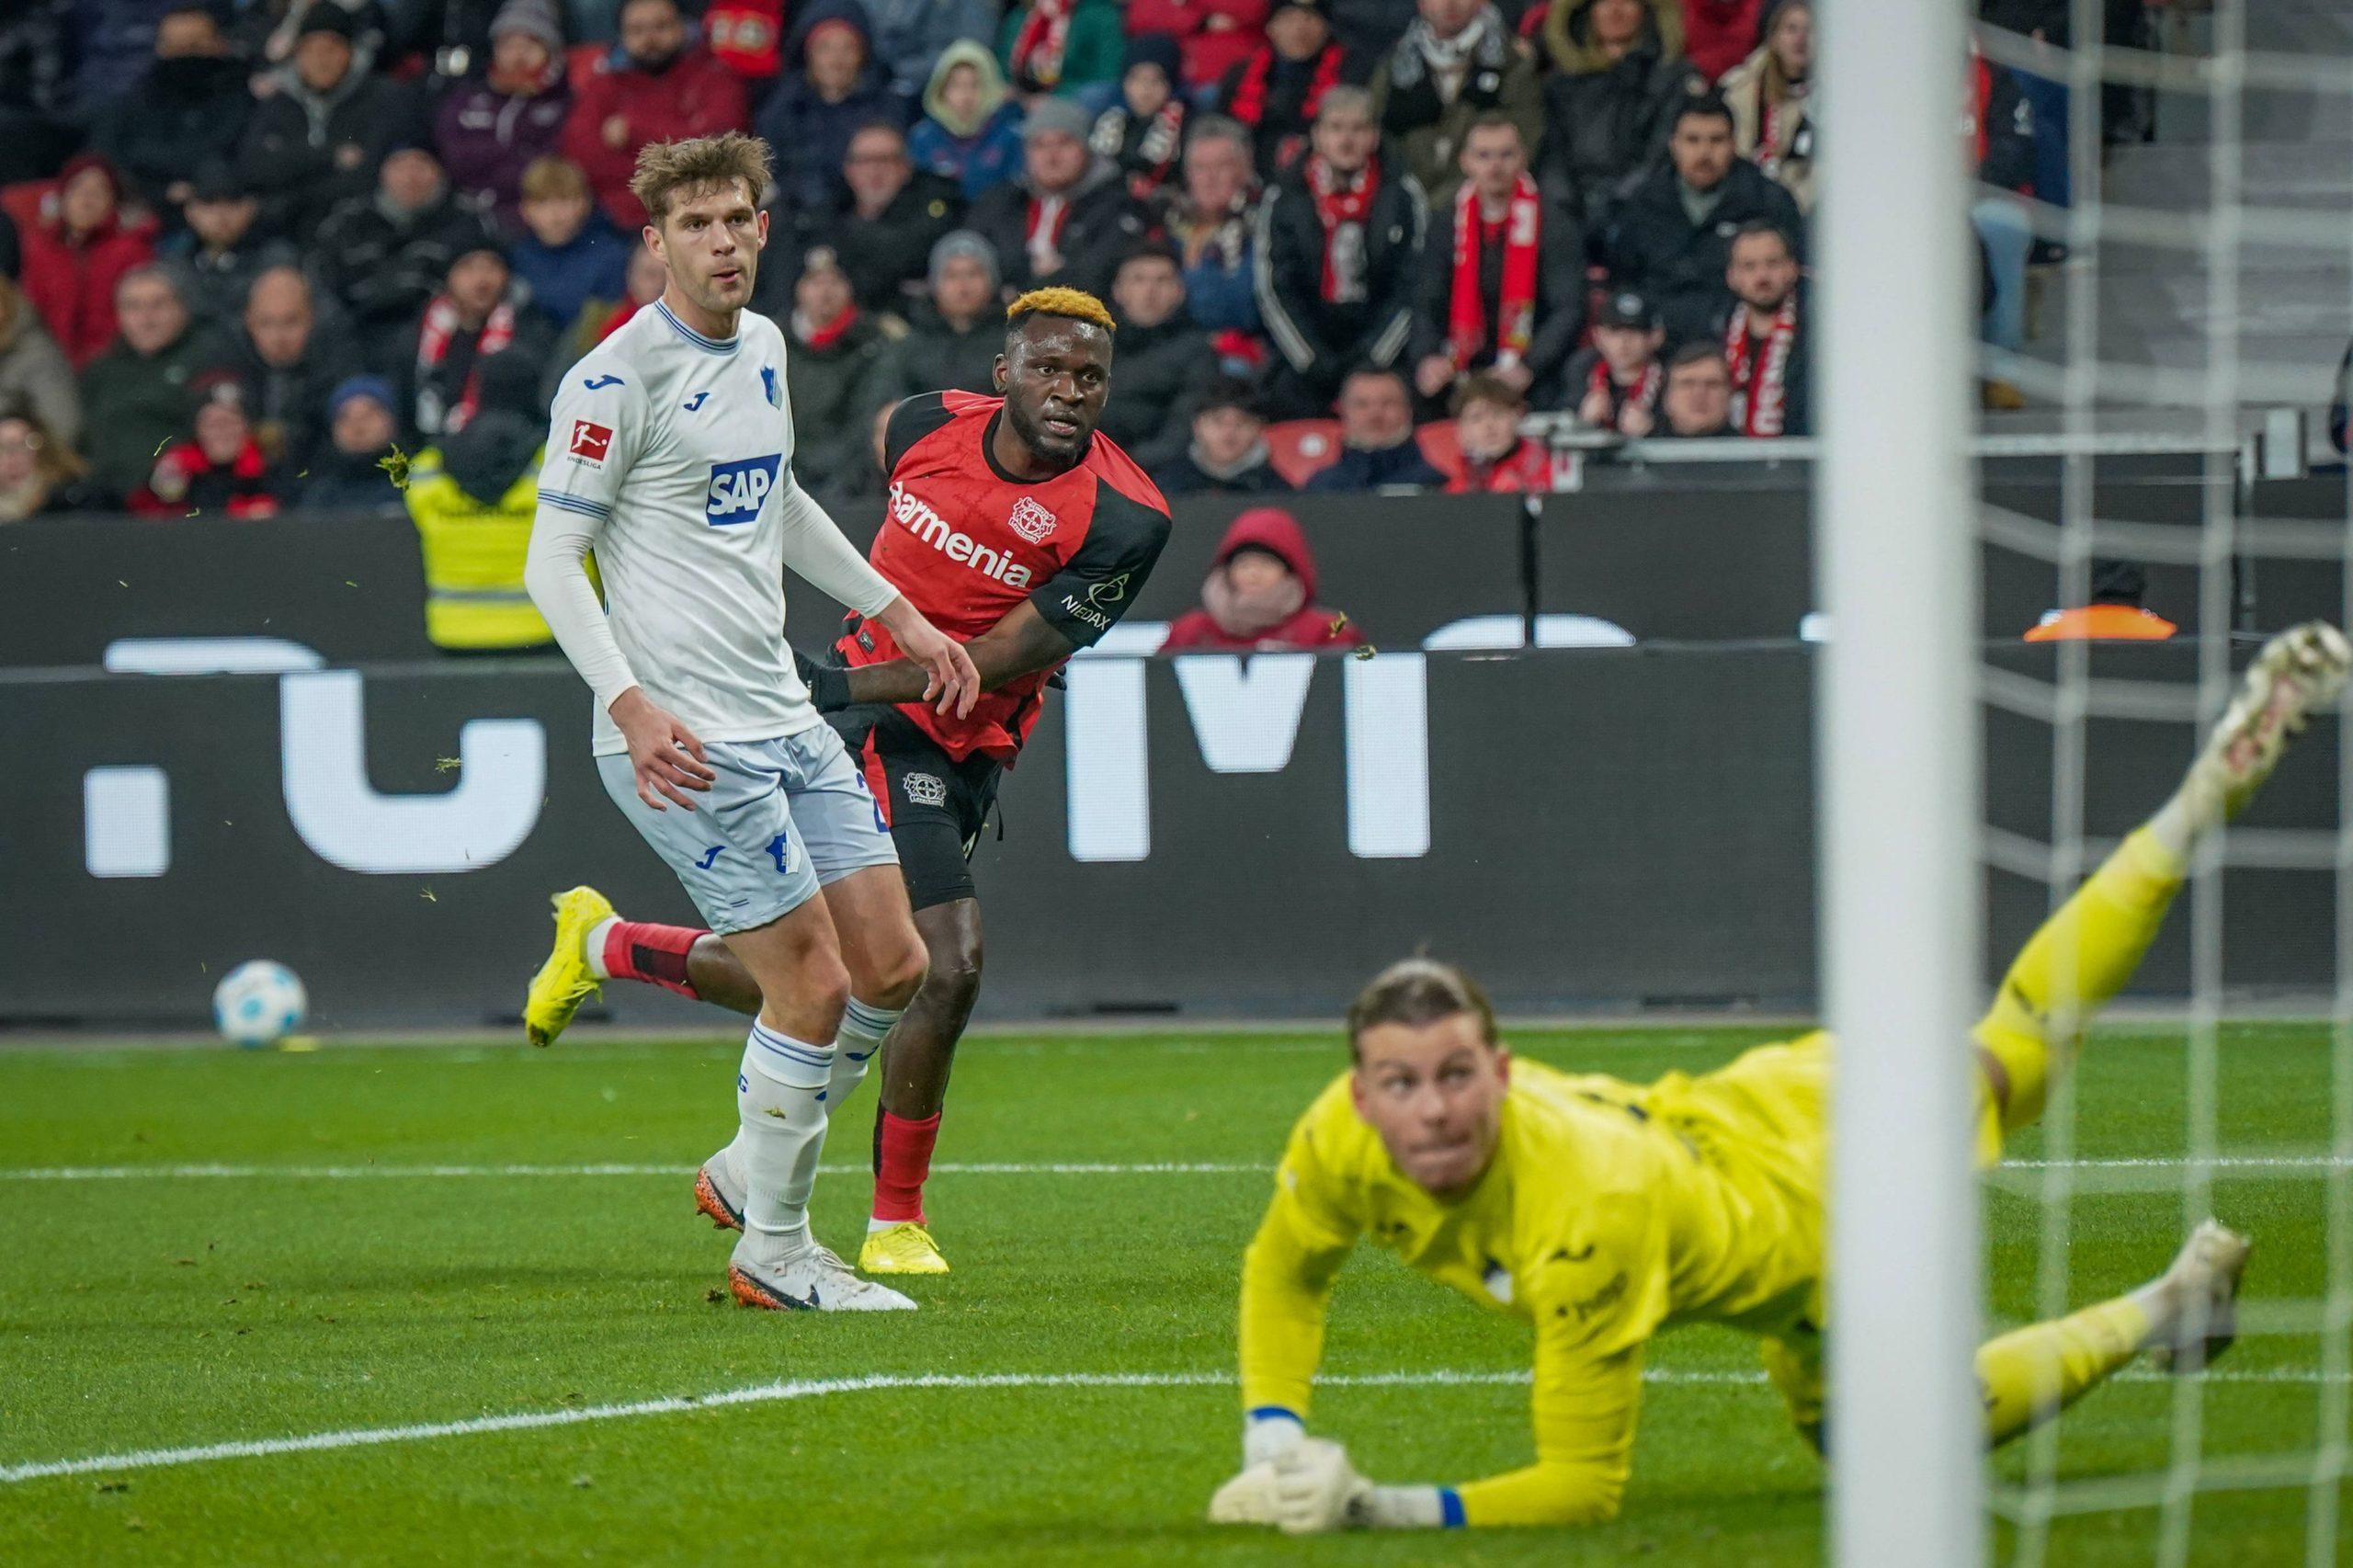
(1604, 1212)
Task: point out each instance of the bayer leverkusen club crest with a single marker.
(1032, 521)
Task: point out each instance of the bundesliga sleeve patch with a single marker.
(590, 441)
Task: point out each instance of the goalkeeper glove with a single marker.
(1249, 1498)
(828, 684)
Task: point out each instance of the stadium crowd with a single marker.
(254, 248)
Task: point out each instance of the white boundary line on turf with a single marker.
(816, 1388)
(1165, 1167)
(354, 1173)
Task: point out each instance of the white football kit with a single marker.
(670, 454)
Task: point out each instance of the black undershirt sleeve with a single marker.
(910, 422)
(1095, 588)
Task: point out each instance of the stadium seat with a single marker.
(1441, 444)
(1301, 448)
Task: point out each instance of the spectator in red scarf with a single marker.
(1503, 285)
(836, 372)
(1144, 127)
(1698, 402)
(1618, 382)
(1341, 239)
(76, 254)
(494, 125)
(1719, 33)
(1212, 36)
(1496, 458)
(1068, 217)
(1764, 336)
(220, 469)
(655, 87)
(474, 316)
(1276, 89)
(1771, 95)
(1259, 596)
(1062, 46)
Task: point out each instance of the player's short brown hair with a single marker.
(554, 179)
(1418, 992)
(669, 170)
(1073, 304)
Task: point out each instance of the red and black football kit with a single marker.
(965, 542)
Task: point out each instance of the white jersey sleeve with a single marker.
(595, 428)
(815, 547)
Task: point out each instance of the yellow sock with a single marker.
(2032, 1374)
(2083, 956)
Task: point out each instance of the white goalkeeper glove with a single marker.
(1249, 1498)
(1305, 1485)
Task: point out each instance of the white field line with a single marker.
(818, 1388)
(1159, 1168)
(354, 1173)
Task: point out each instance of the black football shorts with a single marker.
(935, 805)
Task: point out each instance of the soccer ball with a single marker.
(258, 1003)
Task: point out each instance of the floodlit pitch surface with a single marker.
(426, 1303)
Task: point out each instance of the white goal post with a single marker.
(1898, 783)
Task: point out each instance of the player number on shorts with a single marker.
(780, 847)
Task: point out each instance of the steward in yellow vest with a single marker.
(472, 497)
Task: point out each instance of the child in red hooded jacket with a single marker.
(1261, 594)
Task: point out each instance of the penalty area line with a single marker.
(757, 1393)
(819, 1388)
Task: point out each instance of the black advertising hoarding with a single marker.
(1206, 835)
(1209, 834)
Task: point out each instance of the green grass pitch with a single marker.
(157, 1311)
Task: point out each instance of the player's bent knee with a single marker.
(903, 976)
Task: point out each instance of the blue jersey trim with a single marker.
(587, 509)
(710, 344)
(1450, 1508)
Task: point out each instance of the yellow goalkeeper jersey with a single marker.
(1612, 1210)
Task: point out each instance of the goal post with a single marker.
(1897, 748)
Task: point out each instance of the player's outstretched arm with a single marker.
(1584, 1434)
(816, 547)
(1022, 644)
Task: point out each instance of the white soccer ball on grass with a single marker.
(260, 1003)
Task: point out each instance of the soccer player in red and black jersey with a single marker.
(1015, 527)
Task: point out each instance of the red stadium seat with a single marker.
(1441, 445)
(1301, 448)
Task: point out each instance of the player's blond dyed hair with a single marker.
(1076, 304)
(668, 170)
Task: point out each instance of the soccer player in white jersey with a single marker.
(670, 455)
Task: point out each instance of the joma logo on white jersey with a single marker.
(918, 517)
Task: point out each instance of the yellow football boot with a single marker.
(564, 981)
(903, 1248)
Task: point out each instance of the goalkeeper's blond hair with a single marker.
(1072, 304)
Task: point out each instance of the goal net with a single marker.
(2185, 249)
